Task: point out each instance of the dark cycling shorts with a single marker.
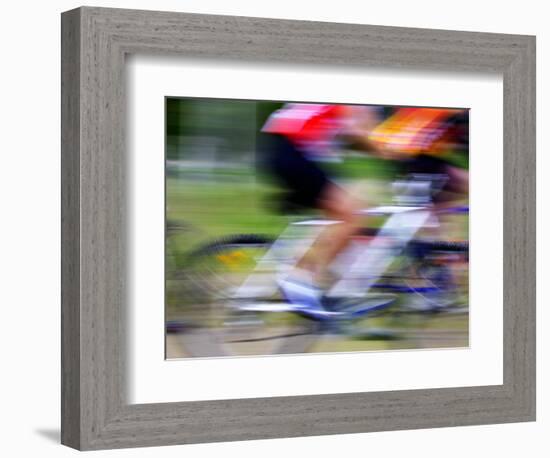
(302, 180)
(427, 164)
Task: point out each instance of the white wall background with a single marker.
(30, 228)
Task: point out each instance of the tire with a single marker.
(214, 323)
(202, 266)
(433, 275)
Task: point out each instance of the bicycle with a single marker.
(234, 306)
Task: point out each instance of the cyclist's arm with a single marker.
(360, 122)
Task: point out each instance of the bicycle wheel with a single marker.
(437, 276)
(230, 305)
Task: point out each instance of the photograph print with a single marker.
(297, 227)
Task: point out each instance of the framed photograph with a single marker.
(259, 194)
(276, 228)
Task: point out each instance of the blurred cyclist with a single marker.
(297, 139)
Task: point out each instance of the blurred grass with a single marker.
(219, 208)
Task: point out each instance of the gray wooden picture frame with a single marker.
(95, 412)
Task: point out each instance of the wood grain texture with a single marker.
(70, 229)
(96, 414)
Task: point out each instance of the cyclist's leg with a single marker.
(339, 205)
(459, 180)
(312, 188)
(307, 185)
(303, 285)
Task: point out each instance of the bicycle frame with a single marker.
(362, 263)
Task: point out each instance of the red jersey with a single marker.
(310, 126)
